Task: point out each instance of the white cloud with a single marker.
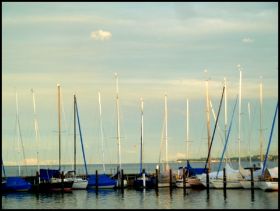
(101, 35)
(247, 40)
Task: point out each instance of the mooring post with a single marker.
(170, 178)
(252, 179)
(156, 178)
(122, 177)
(224, 178)
(184, 178)
(96, 180)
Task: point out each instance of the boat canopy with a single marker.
(47, 174)
(194, 171)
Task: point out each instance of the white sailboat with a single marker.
(269, 178)
(119, 137)
(164, 175)
(78, 182)
(199, 181)
(246, 182)
(179, 179)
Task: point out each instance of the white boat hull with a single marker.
(268, 186)
(231, 184)
(78, 183)
(163, 184)
(246, 184)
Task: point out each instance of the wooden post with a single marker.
(122, 177)
(156, 178)
(170, 178)
(96, 180)
(225, 183)
(184, 178)
(224, 178)
(252, 179)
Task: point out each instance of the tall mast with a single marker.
(142, 128)
(20, 139)
(166, 142)
(101, 128)
(75, 141)
(36, 129)
(187, 129)
(225, 85)
(249, 112)
(59, 126)
(261, 117)
(18, 134)
(118, 121)
(208, 122)
(239, 116)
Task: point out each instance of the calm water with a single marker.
(132, 199)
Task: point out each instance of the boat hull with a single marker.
(180, 183)
(246, 184)
(195, 183)
(268, 186)
(138, 183)
(15, 184)
(231, 184)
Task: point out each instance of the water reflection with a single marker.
(163, 198)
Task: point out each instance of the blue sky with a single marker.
(155, 48)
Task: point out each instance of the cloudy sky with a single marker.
(156, 49)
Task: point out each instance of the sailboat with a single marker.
(164, 175)
(104, 181)
(180, 179)
(15, 183)
(195, 181)
(203, 176)
(143, 180)
(78, 182)
(119, 168)
(269, 178)
(51, 179)
(246, 181)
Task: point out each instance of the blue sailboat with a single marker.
(15, 183)
(103, 180)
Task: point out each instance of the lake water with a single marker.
(149, 199)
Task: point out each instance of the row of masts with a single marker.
(165, 117)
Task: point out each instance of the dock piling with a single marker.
(156, 179)
(170, 178)
(122, 178)
(184, 178)
(96, 180)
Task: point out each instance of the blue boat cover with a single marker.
(194, 171)
(47, 174)
(16, 184)
(103, 180)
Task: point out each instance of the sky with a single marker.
(156, 49)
